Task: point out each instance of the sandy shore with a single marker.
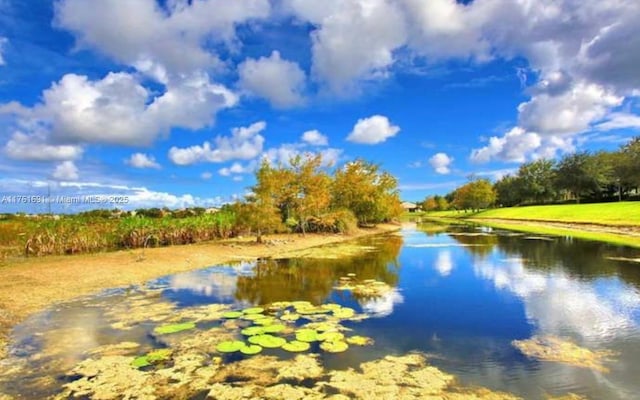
(31, 285)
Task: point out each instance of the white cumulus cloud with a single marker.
(65, 171)
(373, 130)
(314, 138)
(244, 143)
(35, 148)
(279, 81)
(441, 163)
(141, 160)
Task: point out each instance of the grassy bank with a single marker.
(616, 214)
(615, 223)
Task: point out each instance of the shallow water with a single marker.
(461, 297)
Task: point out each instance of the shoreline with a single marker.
(623, 235)
(30, 285)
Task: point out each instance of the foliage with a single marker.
(370, 194)
(475, 195)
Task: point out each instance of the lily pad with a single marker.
(253, 330)
(344, 313)
(359, 340)
(331, 336)
(252, 317)
(230, 346)
(331, 306)
(334, 347)
(312, 310)
(253, 310)
(273, 328)
(296, 346)
(174, 328)
(280, 304)
(307, 335)
(291, 317)
(151, 358)
(267, 341)
(250, 349)
(301, 304)
(232, 314)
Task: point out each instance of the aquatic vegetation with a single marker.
(253, 330)
(359, 340)
(253, 310)
(296, 346)
(290, 317)
(274, 328)
(330, 252)
(230, 346)
(252, 317)
(250, 349)
(330, 336)
(209, 312)
(306, 335)
(118, 349)
(344, 313)
(173, 328)
(151, 358)
(232, 314)
(264, 321)
(556, 349)
(367, 287)
(138, 309)
(267, 341)
(337, 346)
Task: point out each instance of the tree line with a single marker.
(303, 196)
(577, 177)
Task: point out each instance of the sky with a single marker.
(152, 103)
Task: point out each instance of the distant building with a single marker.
(409, 207)
(211, 210)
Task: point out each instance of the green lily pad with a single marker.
(139, 362)
(359, 340)
(296, 346)
(253, 310)
(252, 317)
(301, 304)
(323, 326)
(250, 349)
(280, 305)
(291, 317)
(230, 346)
(330, 336)
(173, 328)
(344, 313)
(253, 330)
(274, 328)
(232, 314)
(334, 347)
(151, 358)
(267, 341)
(307, 335)
(312, 310)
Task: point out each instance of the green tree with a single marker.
(580, 174)
(536, 180)
(508, 191)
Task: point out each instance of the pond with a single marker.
(461, 311)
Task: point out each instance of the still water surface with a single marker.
(461, 295)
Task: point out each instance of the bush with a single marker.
(340, 221)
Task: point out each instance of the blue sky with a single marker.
(175, 102)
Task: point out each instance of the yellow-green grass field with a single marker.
(625, 213)
(619, 222)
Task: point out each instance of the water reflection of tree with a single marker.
(313, 279)
(478, 245)
(579, 258)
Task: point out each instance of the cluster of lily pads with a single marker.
(366, 287)
(293, 326)
(283, 318)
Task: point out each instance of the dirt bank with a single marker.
(30, 285)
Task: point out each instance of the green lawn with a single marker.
(623, 213)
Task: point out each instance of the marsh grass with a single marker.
(81, 234)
